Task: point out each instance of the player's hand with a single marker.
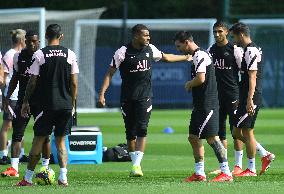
(25, 111)
(250, 107)
(189, 57)
(102, 102)
(73, 111)
(187, 86)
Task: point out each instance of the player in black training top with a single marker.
(134, 62)
(57, 68)
(250, 97)
(227, 59)
(205, 113)
(22, 62)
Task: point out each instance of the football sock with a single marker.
(139, 156)
(45, 162)
(133, 157)
(1, 154)
(260, 150)
(63, 175)
(15, 163)
(29, 176)
(199, 168)
(239, 158)
(22, 152)
(226, 153)
(224, 166)
(251, 164)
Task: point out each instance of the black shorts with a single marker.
(227, 107)
(8, 116)
(20, 123)
(243, 120)
(204, 123)
(61, 120)
(136, 115)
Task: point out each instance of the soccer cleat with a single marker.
(10, 172)
(237, 170)
(23, 183)
(217, 171)
(5, 160)
(64, 184)
(195, 177)
(24, 158)
(246, 172)
(136, 171)
(222, 177)
(266, 161)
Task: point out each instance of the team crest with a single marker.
(147, 55)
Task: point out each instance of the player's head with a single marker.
(220, 31)
(140, 35)
(183, 41)
(53, 31)
(18, 37)
(32, 41)
(240, 32)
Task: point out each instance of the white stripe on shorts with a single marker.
(205, 122)
(122, 111)
(242, 118)
(149, 109)
(38, 116)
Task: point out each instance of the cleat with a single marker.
(23, 183)
(5, 160)
(136, 171)
(246, 172)
(237, 170)
(195, 177)
(222, 177)
(217, 171)
(10, 172)
(61, 183)
(24, 158)
(266, 161)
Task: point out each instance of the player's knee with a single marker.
(47, 140)
(142, 132)
(17, 137)
(130, 134)
(192, 139)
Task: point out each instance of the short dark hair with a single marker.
(31, 33)
(221, 24)
(138, 28)
(240, 28)
(182, 36)
(53, 31)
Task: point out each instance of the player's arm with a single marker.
(197, 81)
(252, 84)
(29, 91)
(2, 83)
(175, 58)
(252, 57)
(37, 60)
(15, 77)
(12, 86)
(105, 85)
(74, 88)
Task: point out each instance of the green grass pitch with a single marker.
(167, 160)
